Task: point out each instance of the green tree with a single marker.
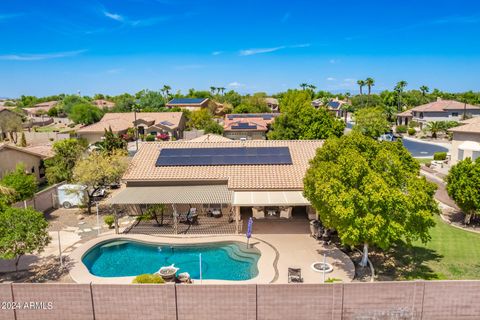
(214, 128)
(67, 152)
(300, 120)
(199, 119)
(151, 100)
(361, 84)
(22, 231)
(98, 171)
(85, 113)
(23, 183)
(23, 140)
(434, 127)
(369, 82)
(371, 122)
(70, 101)
(111, 142)
(399, 88)
(424, 90)
(371, 192)
(463, 186)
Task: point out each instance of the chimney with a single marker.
(439, 99)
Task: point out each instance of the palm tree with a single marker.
(166, 89)
(424, 90)
(361, 84)
(303, 85)
(311, 86)
(212, 90)
(369, 82)
(401, 85)
(222, 90)
(434, 127)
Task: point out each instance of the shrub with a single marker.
(401, 129)
(148, 278)
(333, 280)
(413, 124)
(109, 220)
(149, 138)
(411, 131)
(440, 156)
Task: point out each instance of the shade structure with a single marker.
(269, 198)
(470, 145)
(174, 195)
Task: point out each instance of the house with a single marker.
(32, 157)
(191, 104)
(335, 106)
(103, 104)
(40, 108)
(251, 126)
(210, 137)
(147, 123)
(466, 140)
(254, 178)
(440, 110)
(272, 103)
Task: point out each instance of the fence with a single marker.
(42, 201)
(381, 300)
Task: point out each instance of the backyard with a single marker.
(451, 254)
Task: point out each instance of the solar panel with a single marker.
(186, 101)
(166, 123)
(224, 156)
(244, 125)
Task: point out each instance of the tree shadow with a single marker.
(405, 262)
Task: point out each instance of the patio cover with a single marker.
(470, 145)
(174, 194)
(269, 198)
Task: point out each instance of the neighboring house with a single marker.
(249, 126)
(103, 104)
(32, 157)
(335, 106)
(440, 110)
(272, 103)
(466, 140)
(210, 137)
(153, 123)
(191, 104)
(40, 108)
(263, 179)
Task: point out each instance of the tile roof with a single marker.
(248, 122)
(271, 101)
(48, 104)
(187, 101)
(101, 103)
(443, 105)
(210, 138)
(239, 177)
(123, 121)
(470, 127)
(42, 151)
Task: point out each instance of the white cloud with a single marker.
(333, 61)
(40, 56)
(251, 52)
(217, 53)
(331, 79)
(114, 16)
(236, 84)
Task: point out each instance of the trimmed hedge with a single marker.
(149, 138)
(411, 131)
(148, 278)
(401, 129)
(440, 156)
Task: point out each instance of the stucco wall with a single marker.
(9, 159)
(458, 139)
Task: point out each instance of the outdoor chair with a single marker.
(295, 275)
(191, 217)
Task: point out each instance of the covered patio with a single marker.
(192, 209)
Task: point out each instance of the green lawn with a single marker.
(424, 160)
(451, 254)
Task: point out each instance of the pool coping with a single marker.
(267, 269)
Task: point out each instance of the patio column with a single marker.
(175, 220)
(115, 219)
(237, 219)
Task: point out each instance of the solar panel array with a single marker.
(224, 156)
(334, 104)
(243, 116)
(186, 101)
(244, 125)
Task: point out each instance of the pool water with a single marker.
(220, 261)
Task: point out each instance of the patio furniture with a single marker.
(191, 217)
(295, 275)
(286, 212)
(216, 213)
(258, 213)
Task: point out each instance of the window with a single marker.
(475, 155)
(460, 155)
(454, 114)
(421, 115)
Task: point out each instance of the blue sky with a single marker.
(117, 46)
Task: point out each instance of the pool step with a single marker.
(236, 253)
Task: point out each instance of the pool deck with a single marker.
(282, 245)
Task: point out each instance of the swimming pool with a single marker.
(220, 261)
